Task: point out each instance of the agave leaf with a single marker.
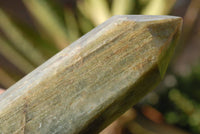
(85, 24)
(158, 7)
(72, 25)
(14, 57)
(82, 5)
(41, 43)
(144, 2)
(21, 43)
(120, 7)
(96, 10)
(50, 20)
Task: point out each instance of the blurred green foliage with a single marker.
(181, 103)
(24, 47)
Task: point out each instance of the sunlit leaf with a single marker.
(72, 25)
(13, 56)
(24, 45)
(49, 19)
(120, 7)
(158, 7)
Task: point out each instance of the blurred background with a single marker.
(32, 31)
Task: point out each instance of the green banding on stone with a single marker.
(90, 83)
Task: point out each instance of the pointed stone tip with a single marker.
(169, 32)
(164, 30)
(144, 18)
